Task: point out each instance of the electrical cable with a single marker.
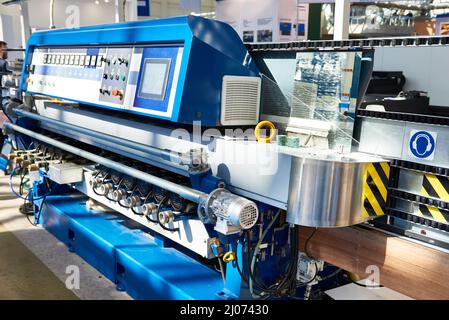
(151, 220)
(38, 216)
(222, 271)
(286, 282)
(363, 285)
(22, 177)
(333, 274)
(11, 187)
(102, 182)
(28, 213)
(306, 243)
(242, 275)
(239, 270)
(44, 197)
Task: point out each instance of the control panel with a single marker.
(115, 75)
(138, 79)
(180, 69)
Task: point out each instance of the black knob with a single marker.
(123, 61)
(106, 60)
(105, 76)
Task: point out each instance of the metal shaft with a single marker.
(111, 141)
(185, 192)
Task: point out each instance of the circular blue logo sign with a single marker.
(422, 144)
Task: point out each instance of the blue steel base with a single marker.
(126, 255)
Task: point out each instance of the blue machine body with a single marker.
(136, 263)
(184, 59)
(169, 69)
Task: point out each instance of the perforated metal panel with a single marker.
(240, 100)
(248, 216)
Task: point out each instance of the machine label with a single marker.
(422, 144)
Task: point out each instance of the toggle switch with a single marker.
(105, 91)
(123, 61)
(106, 60)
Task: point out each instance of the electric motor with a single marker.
(231, 213)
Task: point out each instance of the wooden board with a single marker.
(415, 270)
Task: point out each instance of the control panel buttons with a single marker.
(118, 93)
(116, 68)
(108, 60)
(123, 61)
(105, 91)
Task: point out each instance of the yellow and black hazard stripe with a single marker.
(435, 186)
(375, 189)
(433, 213)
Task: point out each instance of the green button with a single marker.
(123, 78)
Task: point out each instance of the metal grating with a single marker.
(240, 100)
(248, 216)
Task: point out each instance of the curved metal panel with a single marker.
(326, 193)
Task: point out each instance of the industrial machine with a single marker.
(137, 143)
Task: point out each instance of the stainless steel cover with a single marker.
(327, 191)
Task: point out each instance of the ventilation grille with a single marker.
(240, 100)
(248, 216)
